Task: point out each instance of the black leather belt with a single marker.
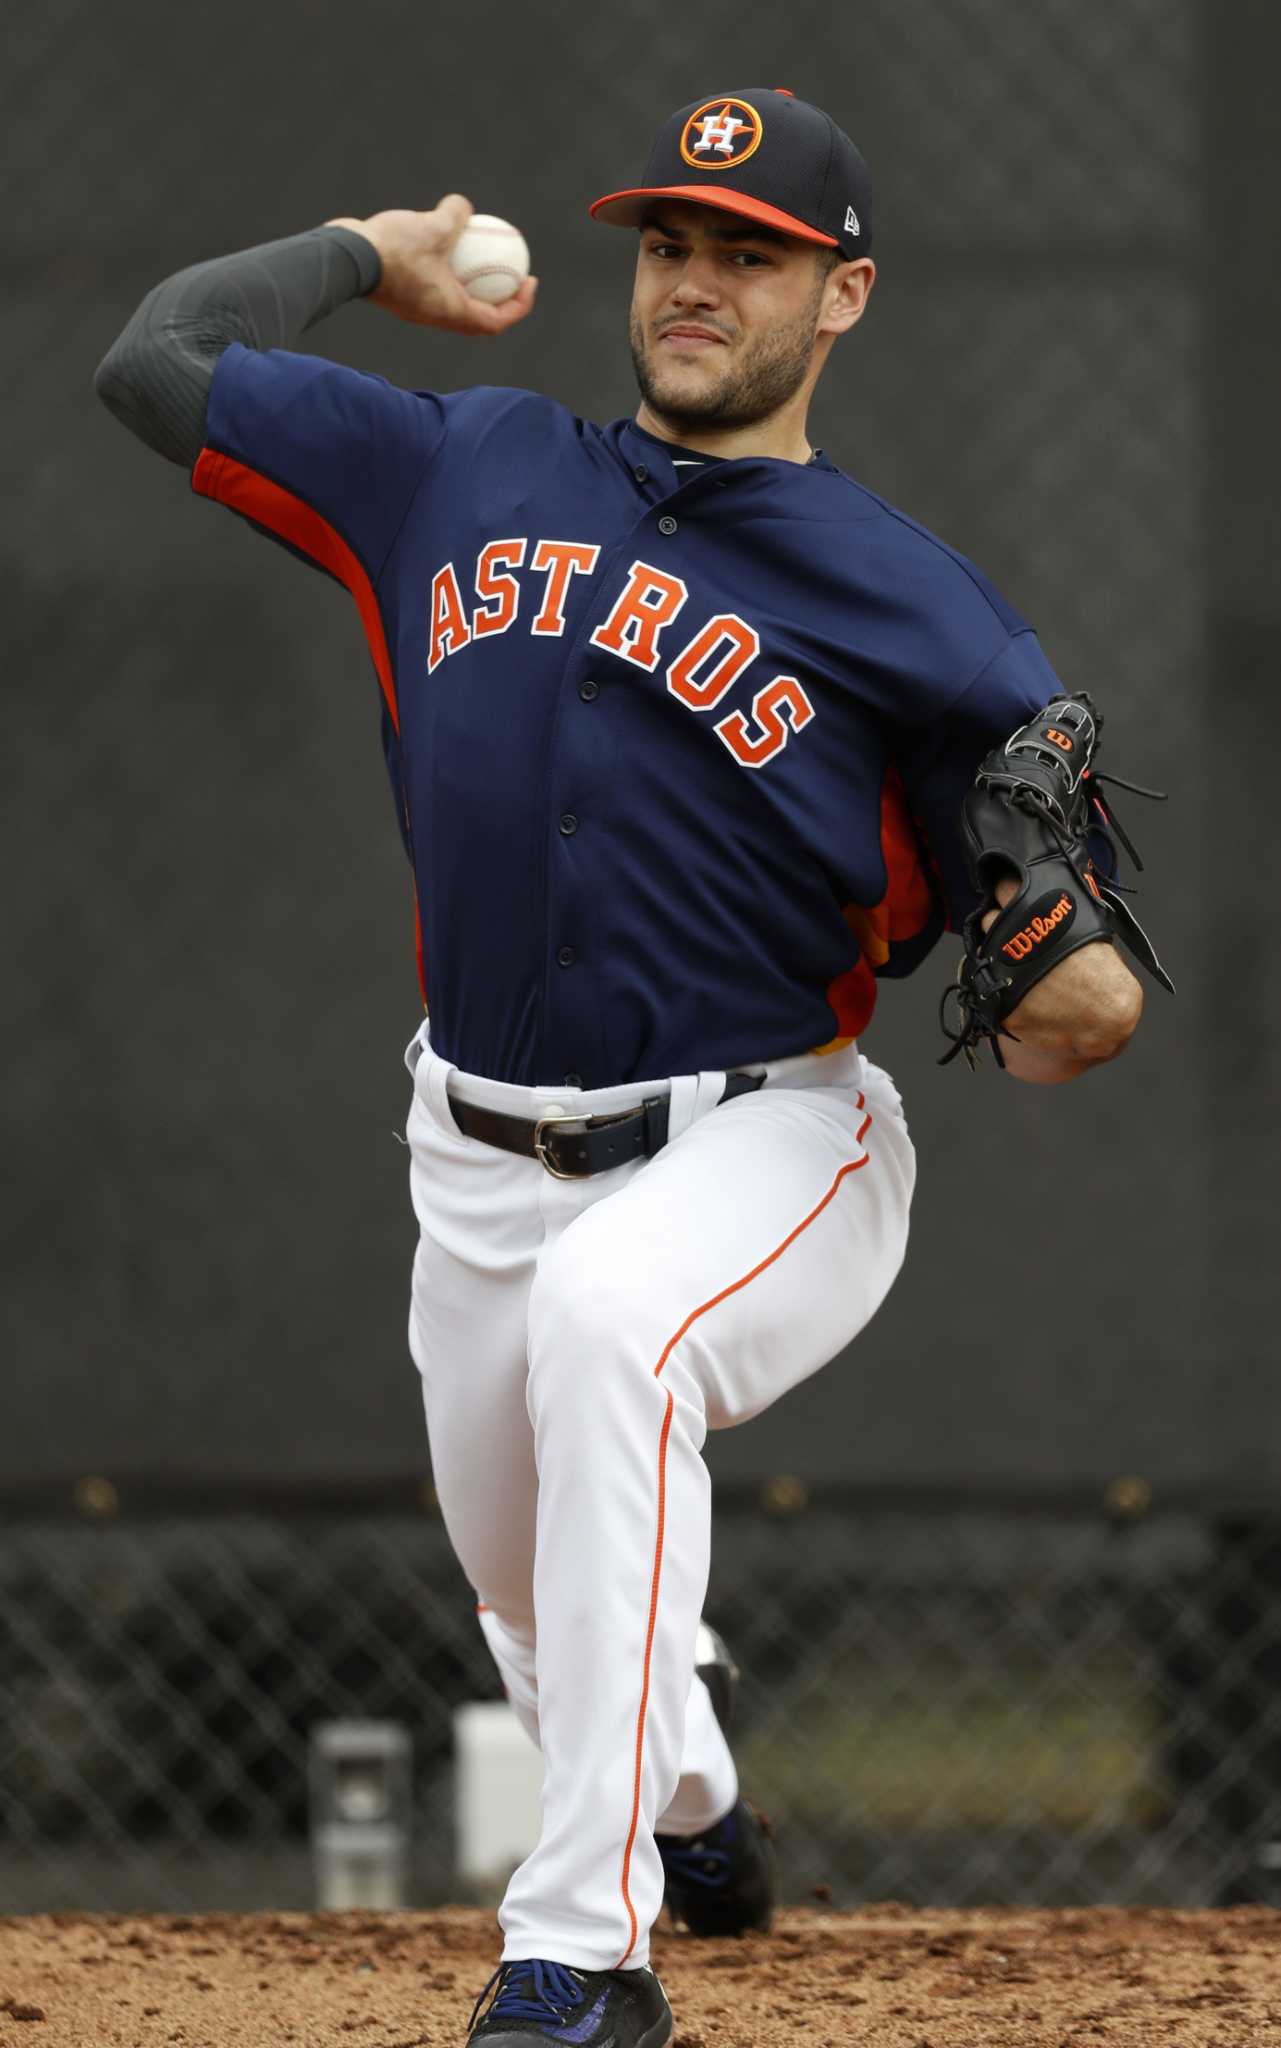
(571, 1147)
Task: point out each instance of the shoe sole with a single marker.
(657, 2037)
(659, 2034)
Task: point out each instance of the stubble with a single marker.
(752, 388)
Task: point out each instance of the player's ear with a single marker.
(846, 294)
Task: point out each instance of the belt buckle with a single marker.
(541, 1153)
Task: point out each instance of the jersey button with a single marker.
(589, 691)
(640, 473)
(667, 525)
(566, 957)
(569, 824)
(573, 1080)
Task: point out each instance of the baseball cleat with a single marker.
(536, 2002)
(725, 1880)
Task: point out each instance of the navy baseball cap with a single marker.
(762, 153)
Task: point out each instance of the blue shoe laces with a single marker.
(533, 1990)
(699, 1861)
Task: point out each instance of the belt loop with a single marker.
(433, 1077)
(691, 1098)
(416, 1047)
(682, 1104)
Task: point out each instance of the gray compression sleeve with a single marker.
(156, 375)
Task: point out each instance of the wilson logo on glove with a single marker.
(1043, 921)
(1032, 814)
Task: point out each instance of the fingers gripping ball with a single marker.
(491, 258)
(1035, 815)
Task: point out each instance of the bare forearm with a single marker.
(1045, 1069)
(1081, 1014)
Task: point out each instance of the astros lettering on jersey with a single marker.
(789, 679)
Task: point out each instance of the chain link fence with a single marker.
(939, 1705)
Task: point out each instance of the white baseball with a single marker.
(490, 257)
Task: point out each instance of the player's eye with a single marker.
(748, 259)
(665, 249)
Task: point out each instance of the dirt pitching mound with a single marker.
(886, 1977)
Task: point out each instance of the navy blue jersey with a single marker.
(678, 750)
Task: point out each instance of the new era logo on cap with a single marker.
(762, 153)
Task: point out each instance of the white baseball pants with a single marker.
(576, 1340)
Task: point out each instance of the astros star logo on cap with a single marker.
(720, 133)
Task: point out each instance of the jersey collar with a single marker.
(654, 462)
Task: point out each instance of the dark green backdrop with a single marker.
(1067, 370)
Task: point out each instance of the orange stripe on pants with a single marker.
(851, 1166)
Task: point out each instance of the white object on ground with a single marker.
(360, 1775)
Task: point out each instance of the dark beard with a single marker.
(758, 386)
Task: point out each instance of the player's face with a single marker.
(724, 315)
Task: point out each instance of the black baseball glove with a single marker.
(1035, 814)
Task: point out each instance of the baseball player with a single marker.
(683, 728)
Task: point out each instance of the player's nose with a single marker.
(698, 283)
(691, 292)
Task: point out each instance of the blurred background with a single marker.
(1005, 1581)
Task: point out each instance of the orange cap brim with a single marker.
(628, 209)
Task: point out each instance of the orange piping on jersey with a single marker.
(903, 911)
(851, 999)
(851, 1166)
(418, 945)
(244, 490)
(268, 504)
